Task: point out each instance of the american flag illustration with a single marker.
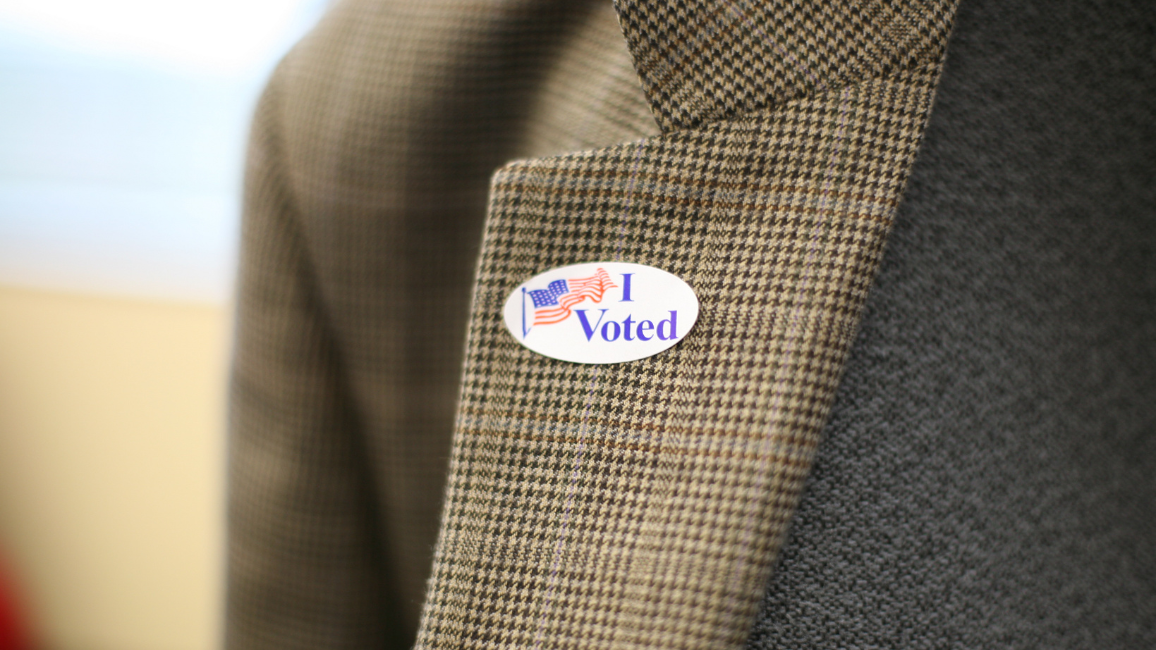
(552, 304)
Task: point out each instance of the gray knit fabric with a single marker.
(988, 477)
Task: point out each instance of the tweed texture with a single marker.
(642, 505)
(703, 61)
(369, 162)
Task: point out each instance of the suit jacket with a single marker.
(985, 476)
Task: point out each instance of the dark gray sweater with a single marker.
(988, 475)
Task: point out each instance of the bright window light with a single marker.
(213, 36)
(122, 132)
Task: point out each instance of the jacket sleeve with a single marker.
(301, 549)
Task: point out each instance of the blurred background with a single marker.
(122, 132)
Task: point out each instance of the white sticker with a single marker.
(601, 312)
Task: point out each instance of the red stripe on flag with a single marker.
(594, 287)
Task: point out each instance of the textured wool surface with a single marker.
(368, 169)
(641, 505)
(988, 476)
(704, 61)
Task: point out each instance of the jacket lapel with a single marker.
(642, 504)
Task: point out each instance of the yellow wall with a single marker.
(111, 467)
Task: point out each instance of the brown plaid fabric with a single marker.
(703, 61)
(641, 505)
(636, 505)
(368, 172)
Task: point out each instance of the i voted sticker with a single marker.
(601, 312)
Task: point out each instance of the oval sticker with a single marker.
(601, 312)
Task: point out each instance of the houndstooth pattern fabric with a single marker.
(641, 505)
(703, 61)
(368, 171)
(638, 505)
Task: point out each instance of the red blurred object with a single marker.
(14, 631)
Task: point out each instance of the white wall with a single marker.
(122, 135)
(111, 467)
